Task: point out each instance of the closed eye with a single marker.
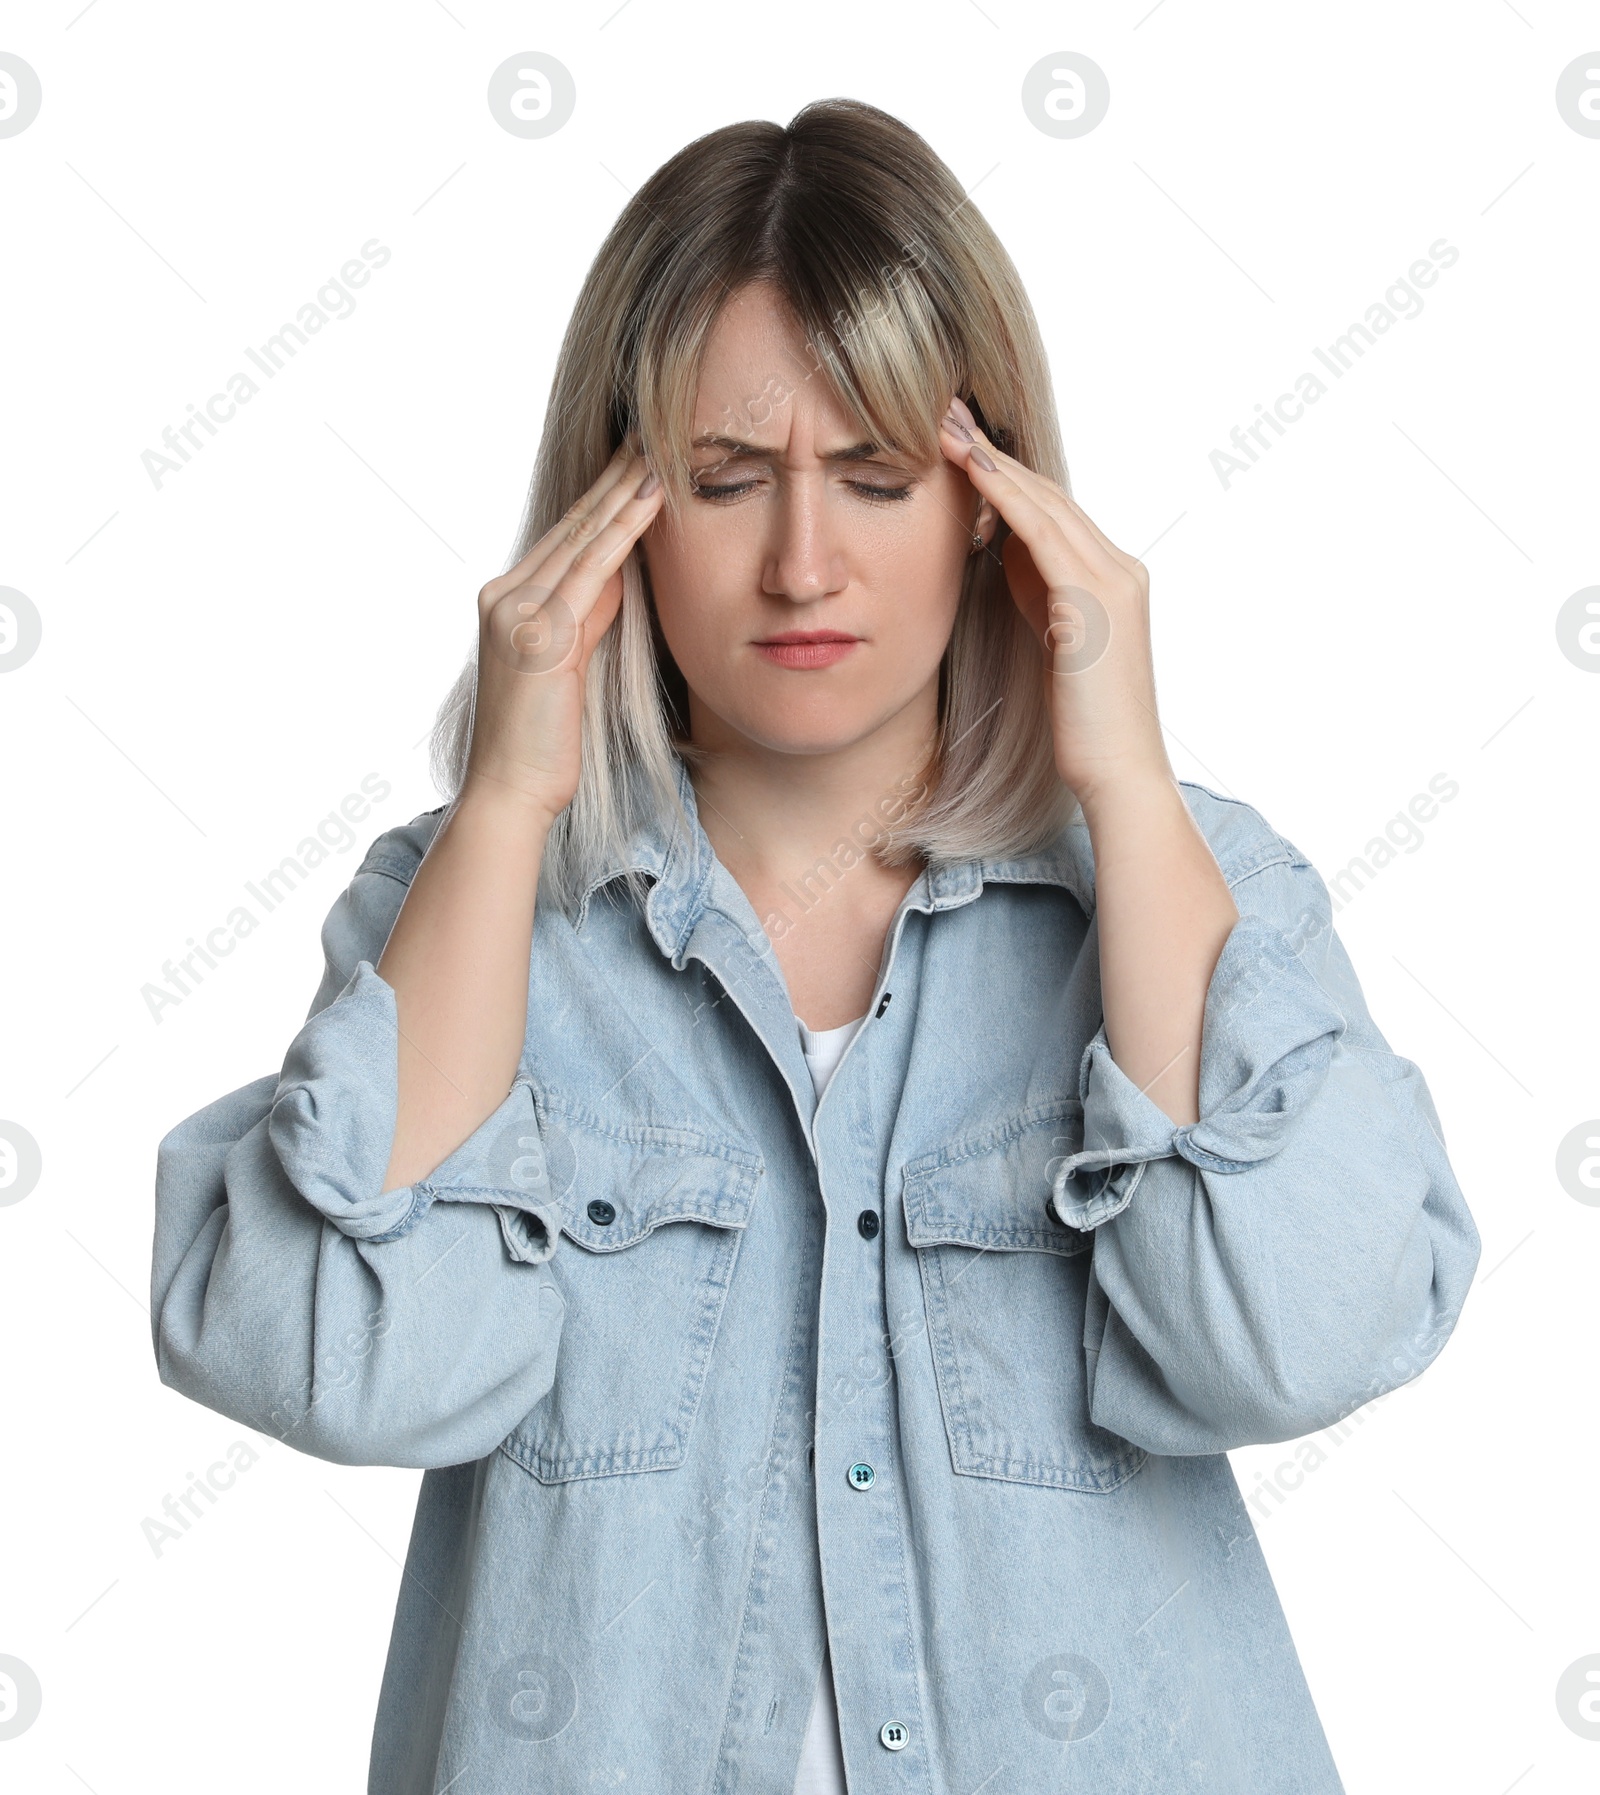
(866, 488)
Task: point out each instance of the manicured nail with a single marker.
(960, 411)
(956, 428)
(648, 485)
(982, 460)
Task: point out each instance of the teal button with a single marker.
(862, 1477)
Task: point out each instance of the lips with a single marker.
(802, 650)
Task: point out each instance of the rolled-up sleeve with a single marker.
(291, 1292)
(1301, 1248)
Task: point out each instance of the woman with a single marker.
(822, 1249)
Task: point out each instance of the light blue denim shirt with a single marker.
(940, 1370)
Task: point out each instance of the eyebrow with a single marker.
(864, 451)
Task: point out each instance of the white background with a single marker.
(224, 659)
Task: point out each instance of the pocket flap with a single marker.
(641, 1177)
(991, 1189)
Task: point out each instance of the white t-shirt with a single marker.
(821, 1756)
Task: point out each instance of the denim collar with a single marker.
(681, 864)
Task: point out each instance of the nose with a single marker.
(805, 561)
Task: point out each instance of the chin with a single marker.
(783, 725)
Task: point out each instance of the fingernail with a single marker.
(956, 428)
(966, 417)
(982, 459)
(648, 485)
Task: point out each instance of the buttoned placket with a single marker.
(862, 1519)
(860, 1512)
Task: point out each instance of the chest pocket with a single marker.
(651, 1224)
(1005, 1286)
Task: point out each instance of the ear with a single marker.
(985, 521)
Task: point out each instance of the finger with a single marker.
(1076, 525)
(539, 628)
(582, 525)
(613, 481)
(1063, 555)
(592, 563)
(960, 439)
(618, 478)
(1074, 510)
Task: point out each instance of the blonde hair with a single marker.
(905, 295)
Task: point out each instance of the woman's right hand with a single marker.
(538, 626)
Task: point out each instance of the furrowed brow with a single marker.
(731, 447)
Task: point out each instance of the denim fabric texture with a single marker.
(939, 1370)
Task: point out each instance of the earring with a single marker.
(977, 541)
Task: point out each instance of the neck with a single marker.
(769, 815)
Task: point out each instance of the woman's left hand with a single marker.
(1089, 605)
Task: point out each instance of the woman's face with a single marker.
(798, 528)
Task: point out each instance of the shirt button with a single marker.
(895, 1734)
(862, 1477)
(601, 1212)
(867, 1223)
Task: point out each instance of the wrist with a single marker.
(1138, 790)
(508, 800)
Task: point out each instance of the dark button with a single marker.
(601, 1211)
(884, 1005)
(811, 1453)
(867, 1223)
